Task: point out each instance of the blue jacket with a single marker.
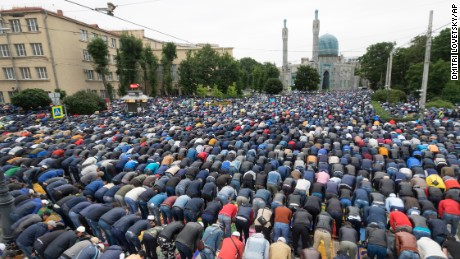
(274, 178)
(94, 186)
(30, 234)
(50, 174)
(158, 199)
(213, 236)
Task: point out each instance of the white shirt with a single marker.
(303, 185)
(428, 247)
(134, 193)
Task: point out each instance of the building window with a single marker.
(94, 91)
(89, 74)
(113, 42)
(104, 38)
(86, 55)
(25, 73)
(95, 35)
(110, 76)
(11, 94)
(2, 99)
(2, 25)
(103, 95)
(20, 50)
(32, 24)
(9, 73)
(41, 72)
(37, 49)
(118, 77)
(83, 35)
(15, 25)
(99, 76)
(4, 50)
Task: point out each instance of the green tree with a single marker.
(31, 99)
(149, 65)
(202, 91)
(206, 67)
(84, 103)
(227, 72)
(451, 91)
(167, 57)
(247, 66)
(216, 92)
(273, 86)
(128, 57)
(259, 78)
(374, 63)
(231, 91)
(307, 79)
(271, 71)
(99, 51)
(437, 78)
(441, 46)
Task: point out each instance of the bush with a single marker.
(392, 96)
(384, 115)
(440, 104)
(201, 91)
(217, 93)
(273, 86)
(31, 99)
(231, 91)
(84, 103)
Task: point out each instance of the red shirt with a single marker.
(398, 218)
(449, 206)
(228, 250)
(229, 210)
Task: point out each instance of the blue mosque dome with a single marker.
(328, 46)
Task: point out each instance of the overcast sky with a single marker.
(253, 27)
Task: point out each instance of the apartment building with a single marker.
(47, 50)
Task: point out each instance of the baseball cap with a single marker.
(81, 229)
(52, 223)
(236, 233)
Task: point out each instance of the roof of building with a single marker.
(328, 46)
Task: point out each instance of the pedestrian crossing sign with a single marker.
(57, 112)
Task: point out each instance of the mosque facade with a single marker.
(336, 72)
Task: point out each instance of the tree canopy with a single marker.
(208, 68)
(99, 51)
(128, 57)
(273, 86)
(407, 67)
(168, 55)
(374, 63)
(307, 79)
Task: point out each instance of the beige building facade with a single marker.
(47, 50)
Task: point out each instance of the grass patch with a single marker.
(384, 115)
(440, 104)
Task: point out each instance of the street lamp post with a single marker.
(6, 206)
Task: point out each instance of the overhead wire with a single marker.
(134, 23)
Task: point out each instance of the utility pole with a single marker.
(389, 69)
(426, 66)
